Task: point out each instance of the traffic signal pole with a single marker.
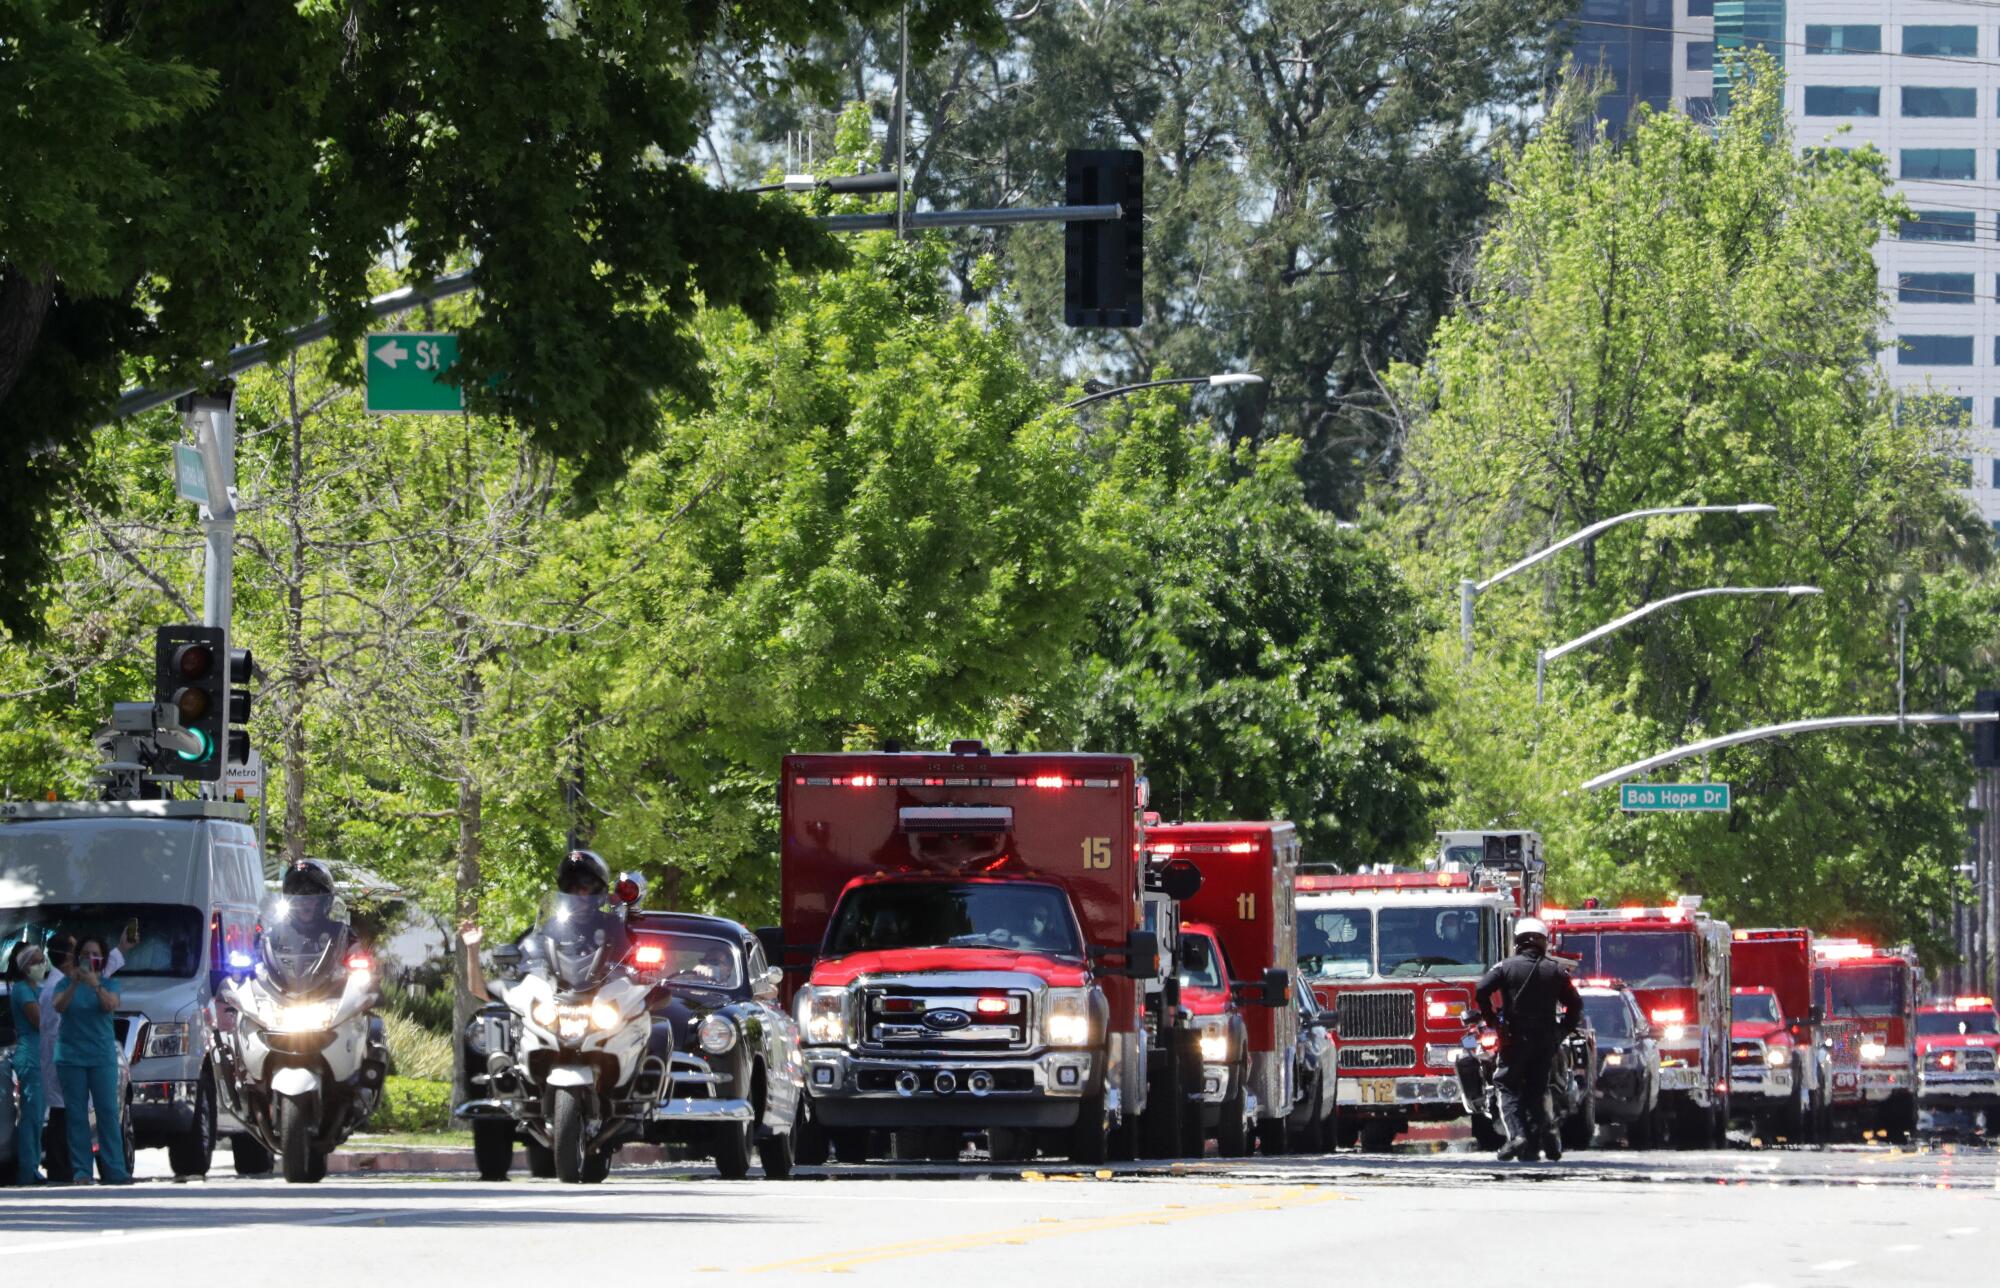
(211, 418)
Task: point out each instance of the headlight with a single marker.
(305, 1017)
(1612, 1059)
(1438, 1009)
(1068, 1019)
(544, 1013)
(1777, 1059)
(605, 1016)
(1674, 1033)
(716, 1034)
(1441, 1055)
(1873, 1050)
(822, 1014)
(166, 1039)
(1214, 1038)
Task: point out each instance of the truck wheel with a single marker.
(249, 1156)
(1274, 1137)
(1088, 1140)
(541, 1160)
(1160, 1125)
(1377, 1135)
(192, 1153)
(732, 1149)
(295, 1146)
(1899, 1119)
(779, 1151)
(569, 1126)
(1792, 1123)
(809, 1144)
(1010, 1144)
(1232, 1133)
(596, 1166)
(1486, 1133)
(1579, 1130)
(492, 1147)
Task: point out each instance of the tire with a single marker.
(810, 1147)
(1579, 1130)
(1644, 1131)
(1794, 1123)
(568, 1125)
(1689, 1128)
(249, 1156)
(779, 1153)
(1378, 1136)
(733, 1143)
(318, 1170)
(1899, 1119)
(1274, 1137)
(1089, 1142)
(541, 1160)
(596, 1166)
(194, 1153)
(1232, 1132)
(1303, 1128)
(1010, 1144)
(1486, 1133)
(1160, 1126)
(492, 1147)
(295, 1147)
(1345, 1134)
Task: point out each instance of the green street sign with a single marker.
(404, 369)
(1646, 798)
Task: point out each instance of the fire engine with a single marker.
(1245, 898)
(1777, 1075)
(1676, 962)
(974, 932)
(1958, 1042)
(1394, 955)
(1868, 996)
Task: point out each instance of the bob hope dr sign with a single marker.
(1646, 797)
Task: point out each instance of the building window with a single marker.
(1938, 163)
(1843, 40)
(1701, 55)
(1934, 288)
(1701, 8)
(1926, 100)
(1996, 472)
(1951, 42)
(1939, 225)
(1844, 100)
(1942, 410)
(1935, 351)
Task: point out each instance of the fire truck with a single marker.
(1246, 898)
(1676, 962)
(1394, 955)
(1958, 1043)
(1868, 996)
(971, 929)
(1777, 1074)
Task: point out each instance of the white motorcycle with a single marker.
(576, 1067)
(298, 1054)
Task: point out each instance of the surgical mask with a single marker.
(96, 962)
(38, 972)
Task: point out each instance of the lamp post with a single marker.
(1469, 590)
(1221, 380)
(1544, 657)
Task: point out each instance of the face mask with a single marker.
(96, 962)
(38, 972)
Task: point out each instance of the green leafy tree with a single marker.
(1693, 317)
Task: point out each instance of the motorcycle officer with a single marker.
(582, 872)
(1531, 987)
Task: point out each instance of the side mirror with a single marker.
(1142, 954)
(767, 983)
(1814, 1015)
(1274, 990)
(1328, 1020)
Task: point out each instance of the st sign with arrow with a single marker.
(404, 371)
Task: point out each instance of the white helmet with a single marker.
(1530, 926)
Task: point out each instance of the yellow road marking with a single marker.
(839, 1262)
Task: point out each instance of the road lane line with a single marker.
(843, 1262)
(1833, 1265)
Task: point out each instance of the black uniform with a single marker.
(1531, 987)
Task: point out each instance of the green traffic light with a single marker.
(207, 748)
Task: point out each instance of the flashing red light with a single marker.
(1591, 902)
(359, 961)
(1946, 1060)
(1489, 1040)
(1670, 1015)
(991, 1006)
(1973, 1003)
(1163, 847)
(649, 955)
(626, 891)
(1049, 780)
(1241, 847)
(1844, 952)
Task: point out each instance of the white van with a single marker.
(190, 874)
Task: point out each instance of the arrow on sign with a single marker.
(391, 353)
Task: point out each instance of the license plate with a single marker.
(1378, 1091)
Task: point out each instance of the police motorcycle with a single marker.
(572, 1063)
(1572, 1088)
(298, 1053)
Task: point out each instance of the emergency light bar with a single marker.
(1201, 847)
(1766, 936)
(1836, 950)
(1594, 916)
(1972, 1003)
(957, 819)
(1312, 883)
(1043, 781)
(1600, 982)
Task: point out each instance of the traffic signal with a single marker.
(1104, 261)
(188, 674)
(1986, 737)
(242, 670)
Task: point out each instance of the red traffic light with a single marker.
(193, 660)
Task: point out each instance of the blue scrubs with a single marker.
(27, 1073)
(87, 1067)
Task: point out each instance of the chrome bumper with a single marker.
(1214, 1083)
(1365, 1092)
(832, 1073)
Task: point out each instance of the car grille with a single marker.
(1384, 1014)
(904, 1019)
(1378, 1057)
(1976, 1061)
(1846, 1045)
(1746, 1053)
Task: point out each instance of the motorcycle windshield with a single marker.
(582, 938)
(305, 940)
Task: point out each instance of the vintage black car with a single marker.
(1628, 1062)
(735, 1059)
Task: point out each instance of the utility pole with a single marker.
(211, 418)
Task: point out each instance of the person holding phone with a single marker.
(87, 1064)
(61, 950)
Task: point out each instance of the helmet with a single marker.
(584, 872)
(307, 876)
(1530, 928)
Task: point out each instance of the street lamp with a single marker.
(1469, 590)
(1544, 657)
(1220, 381)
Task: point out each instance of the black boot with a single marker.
(1511, 1150)
(1552, 1146)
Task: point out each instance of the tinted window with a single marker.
(1759, 1008)
(1701, 8)
(1856, 991)
(1843, 100)
(1844, 40)
(1951, 1024)
(1939, 163)
(170, 939)
(1934, 288)
(1939, 225)
(1429, 941)
(1935, 351)
(1635, 958)
(1925, 100)
(1607, 1014)
(1336, 943)
(1700, 55)
(1954, 42)
(1030, 918)
(1198, 966)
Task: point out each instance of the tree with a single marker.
(167, 193)
(1693, 317)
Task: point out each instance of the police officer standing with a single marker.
(1531, 987)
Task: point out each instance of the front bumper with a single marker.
(1761, 1087)
(162, 1111)
(1882, 1084)
(1042, 1090)
(1959, 1090)
(1422, 1095)
(1214, 1083)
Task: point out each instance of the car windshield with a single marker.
(1758, 1008)
(170, 937)
(1199, 968)
(1430, 941)
(1956, 1024)
(698, 961)
(1336, 943)
(1640, 958)
(1024, 917)
(1607, 1015)
(1864, 991)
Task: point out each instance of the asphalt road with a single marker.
(1843, 1216)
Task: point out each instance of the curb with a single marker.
(386, 1161)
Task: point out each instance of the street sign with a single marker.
(403, 372)
(1647, 798)
(244, 782)
(190, 476)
